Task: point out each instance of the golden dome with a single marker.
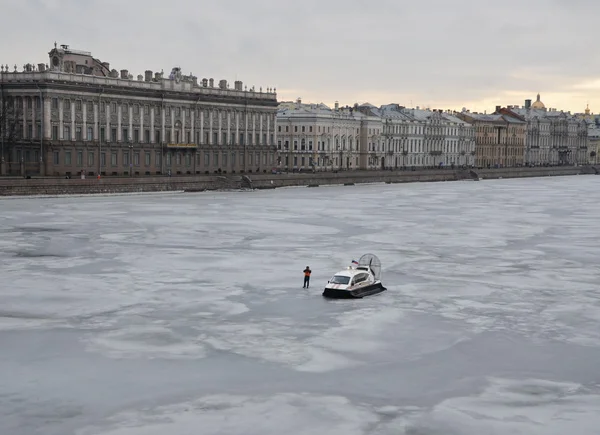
(538, 104)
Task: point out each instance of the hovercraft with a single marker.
(361, 279)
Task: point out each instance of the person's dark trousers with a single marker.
(306, 281)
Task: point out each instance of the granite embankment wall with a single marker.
(76, 186)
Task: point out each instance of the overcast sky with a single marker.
(444, 54)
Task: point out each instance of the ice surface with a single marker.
(184, 313)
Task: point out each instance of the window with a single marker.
(136, 135)
(78, 135)
(55, 103)
(224, 138)
(215, 137)
(136, 158)
(241, 138)
(90, 107)
(207, 159)
(102, 134)
(79, 158)
(189, 137)
(157, 158)
(125, 136)
(57, 157)
(29, 131)
(90, 133)
(102, 160)
(224, 159)
(177, 136)
(146, 110)
(55, 132)
(113, 107)
(113, 158)
(67, 157)
(67, 132)
(157, 136)
(188, 159)
(216, 159)
(147, 136)
(136, 109)
(303, 129)
(178, 158)
(90, 158)
(147, 158)
(78, 105)
(125, 157)
(113, 135)
(272, 142)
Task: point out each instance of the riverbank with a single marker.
(198, 183)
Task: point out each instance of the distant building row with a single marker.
(393, 136)
(79, 115)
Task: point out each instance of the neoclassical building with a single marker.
(315, 136)
(78, 114)
(423, 137)
(553, 137)
(499, 138)
(369, 137)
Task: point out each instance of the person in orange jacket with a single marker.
(307, 273)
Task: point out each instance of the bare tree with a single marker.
(10, 128)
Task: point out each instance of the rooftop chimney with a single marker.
(223, 84)
(238, 85)
(211, 83)
(41, 67)
(498, 108)
(148, 74)
(527, 104)
(124, 74)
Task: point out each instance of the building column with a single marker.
(141, 134)
(210, 126)
(130, 129)
(152, 137)
(201, 126)
(192, 125)
(60, 119)
(96, 123)
(72, 121)
(119, 117)
(84, 122)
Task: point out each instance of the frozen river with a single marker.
(184, 314)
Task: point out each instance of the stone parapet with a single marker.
(108, 185)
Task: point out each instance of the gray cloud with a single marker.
(438, 52)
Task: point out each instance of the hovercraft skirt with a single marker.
(353, 294)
